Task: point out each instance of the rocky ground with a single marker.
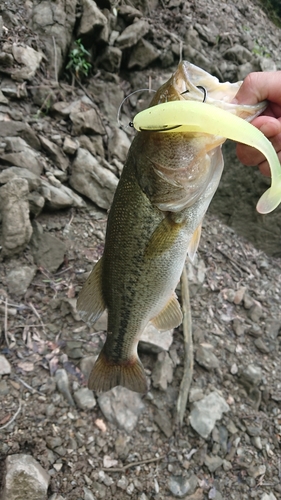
(61, 154)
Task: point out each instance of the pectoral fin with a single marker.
(194, 243)
(163, 237)
(170, 317)
(90, 301)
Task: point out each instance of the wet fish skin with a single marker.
(166, 186)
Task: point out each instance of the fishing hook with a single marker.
(204, 92)
(200, 87)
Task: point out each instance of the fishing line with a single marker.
(119, 109)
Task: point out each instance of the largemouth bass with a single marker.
(155, 220)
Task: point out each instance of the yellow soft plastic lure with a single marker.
(193, 116)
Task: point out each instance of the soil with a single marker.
(235, 313)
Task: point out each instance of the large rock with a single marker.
(110, 59)
(239, 54)
(18, 153)
(129, 13)
(109, 96)
(85, 399)
(3, 99)
(152, 340)
(118, 144)
(35, 199)
(17, 128)
(206, 358)
(56, 196)
(19, 279)
(13, 90)
(5, 367)
(93, 143)
(132, 34)
(55, 153)
(206, 412)
(89, 178)
(29, 58)
(92, 20)
(121, 407)
(87, 122)
(59, 197)
(14, 207)
(162, 374)
(54, 23)
(143, 54)
(34, 182)
(64, 108)
(24, 478)
(209, 32)
(83, 114)
(47, 250)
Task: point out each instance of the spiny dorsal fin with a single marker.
(90, 303)
(170, 316)
(193, 245)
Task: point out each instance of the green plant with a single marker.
(260, 51)
(78, 60)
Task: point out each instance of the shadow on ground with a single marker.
(235, 202)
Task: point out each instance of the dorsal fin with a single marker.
(90, 303)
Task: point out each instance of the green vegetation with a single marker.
(260, 51)
(78, 63)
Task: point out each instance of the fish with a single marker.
(171, 173)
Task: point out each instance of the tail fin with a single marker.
(107, 374)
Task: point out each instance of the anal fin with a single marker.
(107, 374)
(90, 303)
(170, 316)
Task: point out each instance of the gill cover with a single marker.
(192, 116)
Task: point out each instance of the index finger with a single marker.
(260, 86)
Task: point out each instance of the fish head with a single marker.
(195, 103)
(191, 83)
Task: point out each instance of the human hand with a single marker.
(256, 88)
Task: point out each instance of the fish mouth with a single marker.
(191, 83)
